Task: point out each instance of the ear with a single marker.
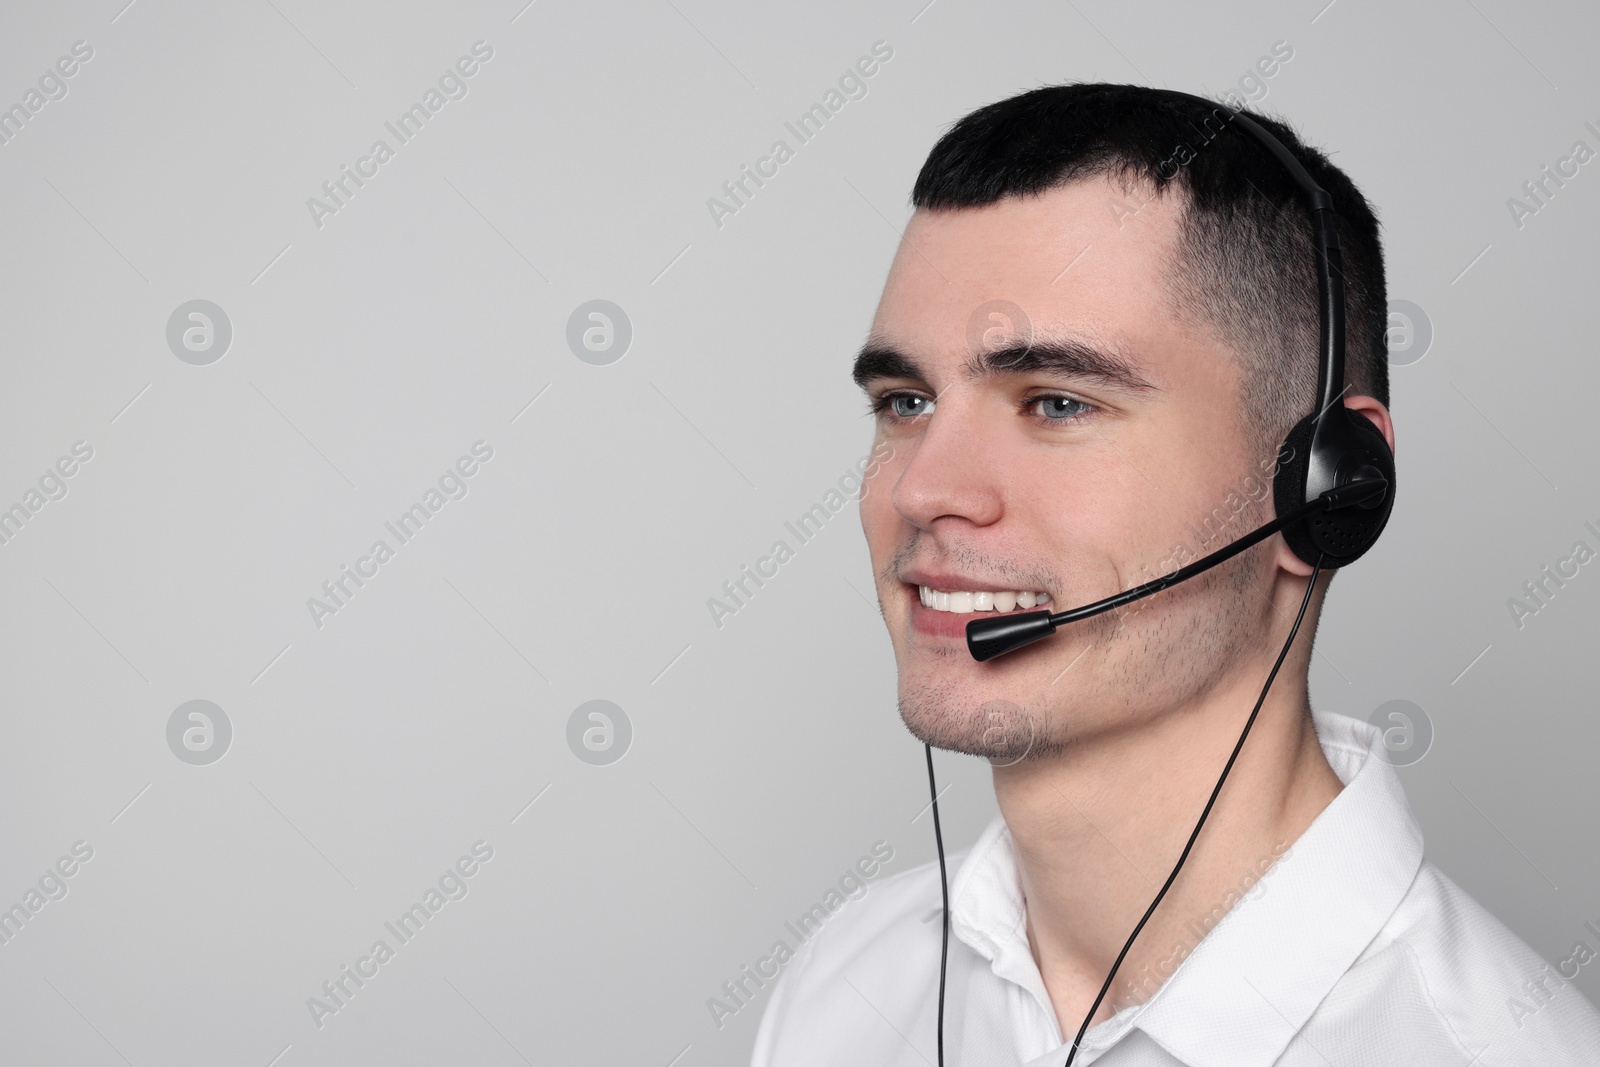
(1378, 415)
(1374, 410)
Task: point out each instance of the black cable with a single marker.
(944, 889)
(1215, 792)
(1311, 585)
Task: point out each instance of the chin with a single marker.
(999, 730)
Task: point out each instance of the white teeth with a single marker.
(964, 602)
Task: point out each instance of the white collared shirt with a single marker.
(1351, 951)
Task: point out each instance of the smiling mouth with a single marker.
(968, 602)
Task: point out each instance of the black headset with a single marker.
(1332, 446)
(1333, 491)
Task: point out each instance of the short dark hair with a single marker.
(1246, 268)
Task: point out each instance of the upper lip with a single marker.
(955, 583)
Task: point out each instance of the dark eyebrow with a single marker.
(878, 359)
(1064, 356)
(1060, 355)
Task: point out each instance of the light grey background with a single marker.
(370, 353)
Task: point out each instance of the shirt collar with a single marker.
(1249, 986)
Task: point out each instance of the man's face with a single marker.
(1105, 453)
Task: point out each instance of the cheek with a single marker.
(876, 482)
(877, 512)
(880, 522)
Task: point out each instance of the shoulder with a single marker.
(882, 944)
(1444, 957)
(895, 919)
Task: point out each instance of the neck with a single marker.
(1098, 828)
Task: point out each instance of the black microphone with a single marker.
(988, 638)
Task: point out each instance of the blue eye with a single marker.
(902, 405)
(1060, 408)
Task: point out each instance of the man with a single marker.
(1098, 329)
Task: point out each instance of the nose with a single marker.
(953, 471)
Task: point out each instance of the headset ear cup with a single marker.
(1357, 525)
(1289, 486)
(1337, 537)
